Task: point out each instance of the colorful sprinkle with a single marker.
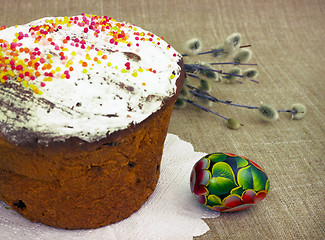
(34, 66)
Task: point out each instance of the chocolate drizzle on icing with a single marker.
(128, 88)
(133, 56)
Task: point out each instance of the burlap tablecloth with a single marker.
(287, 41)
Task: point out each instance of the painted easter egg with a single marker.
(227, 182)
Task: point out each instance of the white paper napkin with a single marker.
(171, 212)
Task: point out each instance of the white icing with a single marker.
(83, 101)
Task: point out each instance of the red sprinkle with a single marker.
(19, 67)
(36, 65)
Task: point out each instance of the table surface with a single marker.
(287, 42)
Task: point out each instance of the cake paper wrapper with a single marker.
(171, 212)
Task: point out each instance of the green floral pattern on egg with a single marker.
(227, 182)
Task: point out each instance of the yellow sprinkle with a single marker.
(109, 64)
(50, 61)
(19, 79)
(134, 74)
(63, 76)
(99, 62)
(74, 53)
(47, 79)
(25, 83)
(58, 69)
(84, 71)
(33, 87)
(64, 49)
(140, 70)
(99, 53)
(69, 63)
(172, 76)
(116, 67)
(123, 70)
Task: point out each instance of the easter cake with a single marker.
(85, 103)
